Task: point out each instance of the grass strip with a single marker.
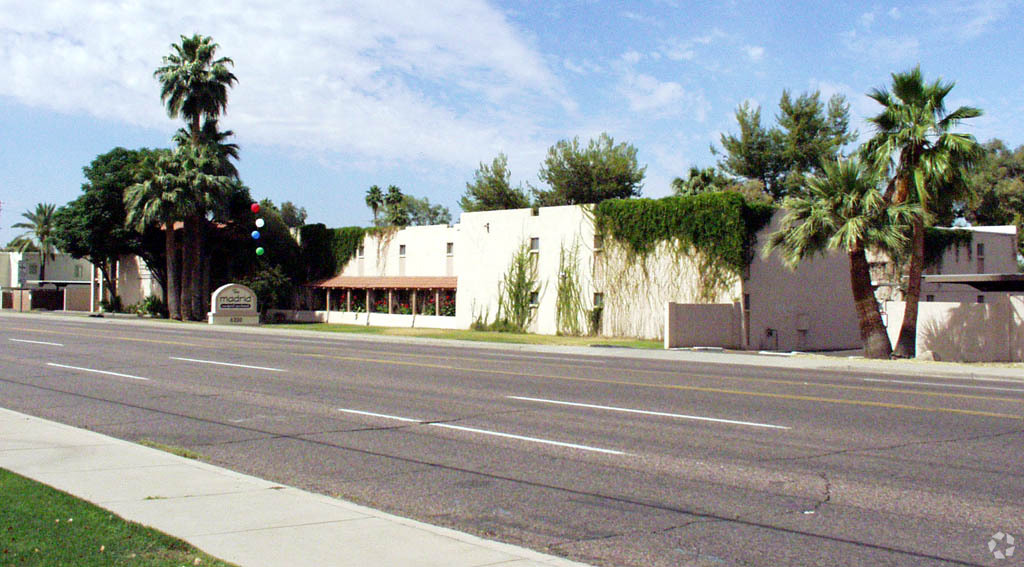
(469, 335)
(42, 526)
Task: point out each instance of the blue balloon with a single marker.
(255, 235)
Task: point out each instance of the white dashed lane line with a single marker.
(93, 370)
(34, 342)
(651, 413)
(226, 364)
(485, 432)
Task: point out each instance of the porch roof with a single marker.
(389, 282)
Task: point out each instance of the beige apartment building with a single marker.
(406, 276)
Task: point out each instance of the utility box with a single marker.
(234, 304)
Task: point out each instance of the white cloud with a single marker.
(632, 57)
(867, 18)
(685, 49)
(895, 13)
(885, 48)
(394, 80)
(754, 52)
(646, 94)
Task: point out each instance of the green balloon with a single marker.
(259, 251)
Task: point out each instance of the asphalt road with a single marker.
(602, 458)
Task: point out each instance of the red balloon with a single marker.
(255, 207)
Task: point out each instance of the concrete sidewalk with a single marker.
(238, 518)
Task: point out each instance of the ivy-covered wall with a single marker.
(691, 249)
(326, 251)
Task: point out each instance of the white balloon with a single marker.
(259, 223)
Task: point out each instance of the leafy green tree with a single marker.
(602, 170)
(210, 135)
(915, 144)
(996, 189)
(843, 210)
(707, 180)
(491, 189)
(807, 134)
(293, 216)
(374, 200)
(39, 236)
(93, 225)
(422, 213)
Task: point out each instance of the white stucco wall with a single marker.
(425, 253)
(489, 240)
(809, 308)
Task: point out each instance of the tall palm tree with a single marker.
(194, 85)
(161, 198)
(843, 210)
(915, 143)
(374, 199)
(39, 236)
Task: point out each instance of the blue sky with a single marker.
(334, 96)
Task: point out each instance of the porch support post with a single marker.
(437, 302)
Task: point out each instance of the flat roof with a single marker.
(389, 282)
(982, 282)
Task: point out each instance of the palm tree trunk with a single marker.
(872, 330)
(196, 282)
(188, 261)
(173, 291)
(906, 345)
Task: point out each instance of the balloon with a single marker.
(259, 251)
(255, 235)
(259, 223)
(255, 207)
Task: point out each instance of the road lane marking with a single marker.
(226, 364)
(371, 414)
(646, 412)
(681, 387)
(531, 439)
(96, 371)
(35, 342)
(485, 432)
(667, 373)
(940, 385)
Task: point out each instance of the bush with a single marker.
(151, 306)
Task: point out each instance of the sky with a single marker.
(334, 96)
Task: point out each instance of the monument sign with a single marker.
(234, 304)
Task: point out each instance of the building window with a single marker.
(401, 250)
(956, 255)
(746, 302)
(535, 245)
(981, 299)
(981, 258)
(929, 297)
(449, 249)
(534, 298)
(598, 299)
(78, 271)
(360, 252)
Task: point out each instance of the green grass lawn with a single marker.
(467, 335)
(43, 526)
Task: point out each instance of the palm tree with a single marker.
(395, 212)
(39, 236)
(374, 199)
(844, 210)
(161, 198)
(212, 136)
(915, 142)
(194, 85)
